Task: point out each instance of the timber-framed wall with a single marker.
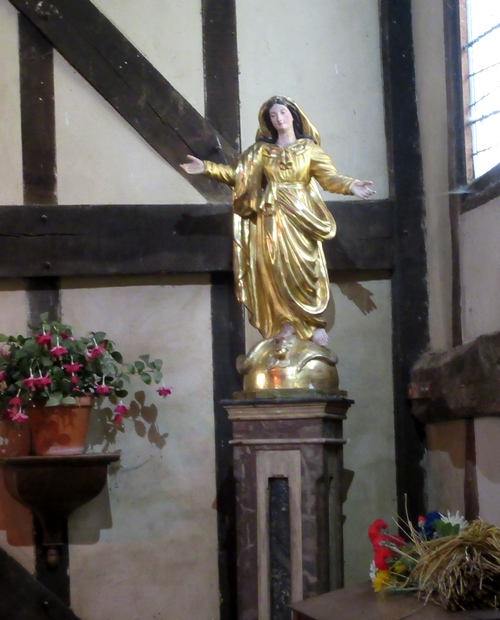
(43, 240)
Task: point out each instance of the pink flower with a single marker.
(43, 339)
(121, 409)
(15, 401)
(40, 382)
(58, 350)
(64, 335)
(71, 368)
(74, 379)
(118, 419)
(93, 353)
(30, 383)
(2, 375)
(18, 416)
(103, 389)
(164, 391)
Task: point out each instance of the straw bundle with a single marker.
(462, 571)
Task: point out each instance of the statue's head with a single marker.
(297, 121)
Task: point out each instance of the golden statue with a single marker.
(280, 223)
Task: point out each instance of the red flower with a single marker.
(103, 389)
(64, 335)
(118, 419)
(18, 416)
(71, 368)
(121, 409)
(41, 382)
(43, 339)
(58, 350)
(93, 353)
(163, 391)
(74, 379)
(30, 383)
(15, 402)
(380, 551)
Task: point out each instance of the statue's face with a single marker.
(281, 118)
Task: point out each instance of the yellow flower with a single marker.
(399, 568)
(381, 580)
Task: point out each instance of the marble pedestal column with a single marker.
(288, 468)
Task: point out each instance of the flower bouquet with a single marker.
(455, 563)
(53, 368)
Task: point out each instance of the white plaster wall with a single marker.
(148, 543)
(487, 433)
(431, 96)
(480, 270)
(326, 56)
(15, 520)
(363, 343)
(11, 180)
(446, 466)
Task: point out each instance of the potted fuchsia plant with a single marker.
(51, 380)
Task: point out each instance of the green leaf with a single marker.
(158, 376)
(146, 378)
(130, 368)
(44, 317)
(145, 358)
(3, 338)
(158, 364)
(99, 337)
(68, 400)
(117, 356)
(140, 366)
(54, 400)
(121, 393)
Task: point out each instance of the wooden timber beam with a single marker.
(67, 240)
(130, 83)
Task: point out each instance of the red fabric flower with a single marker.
(163, 391)
(381, 553)
(93, 353)
(43, 339)
(19, 417)
(30, 383)
(102, 389)
(41, 382)
(58, 350)
(71, 368)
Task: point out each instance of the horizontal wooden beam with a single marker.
(68, 240)
(131, 84)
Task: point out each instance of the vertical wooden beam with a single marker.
(220, 56)
(222, 100)
(40, 188)
(457, 166)
(228, 341)
(409, 282)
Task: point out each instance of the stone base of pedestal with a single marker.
(288, 468)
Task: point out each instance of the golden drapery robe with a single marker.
(280, 222)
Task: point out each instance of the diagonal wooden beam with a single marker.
(130, 83)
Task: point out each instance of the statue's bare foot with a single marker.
(286, 331)
(320, 337)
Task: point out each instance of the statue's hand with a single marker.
(362, 189)
(193, 166)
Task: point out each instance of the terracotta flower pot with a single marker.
(14, 439)
(60, 430)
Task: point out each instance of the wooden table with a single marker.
(361, 603)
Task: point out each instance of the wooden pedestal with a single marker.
(288, 468)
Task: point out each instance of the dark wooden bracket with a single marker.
(52, 487)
